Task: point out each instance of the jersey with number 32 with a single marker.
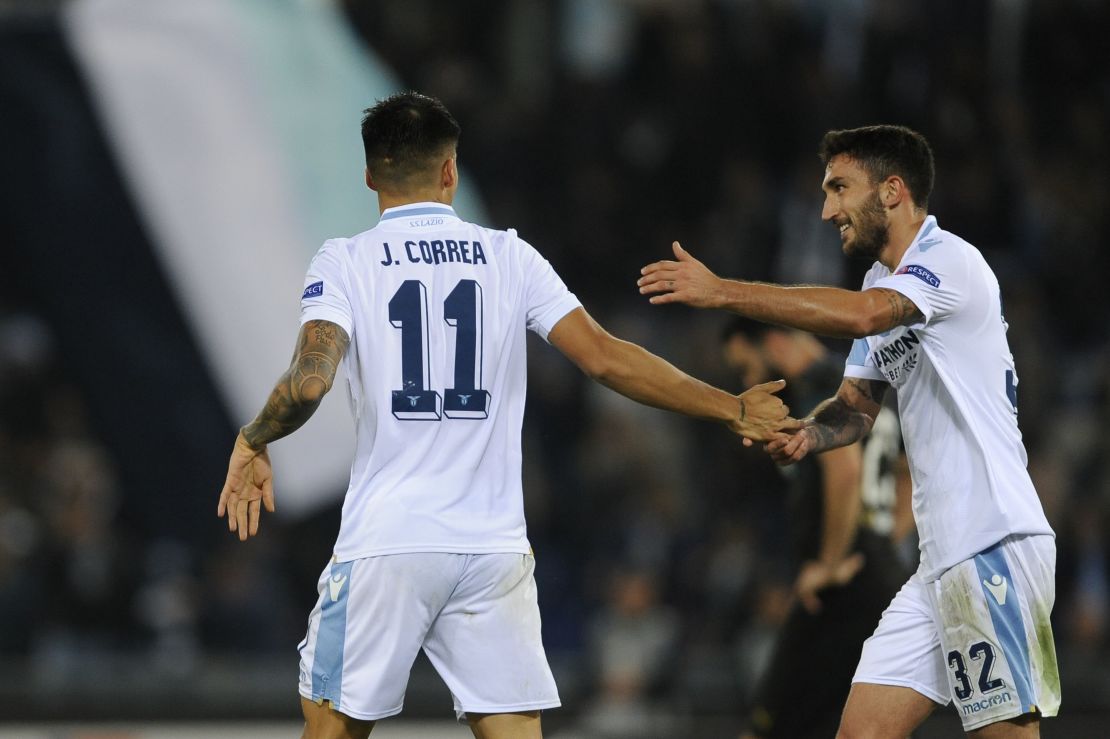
(957, 400)
(437, 310)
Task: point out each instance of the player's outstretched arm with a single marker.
(845, 418)
(828, 311)
(638, 374)
(295, 397)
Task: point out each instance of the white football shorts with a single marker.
(475, 615)
(980, 635)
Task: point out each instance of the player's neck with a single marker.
(397, 199)
(902, 234)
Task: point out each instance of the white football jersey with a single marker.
(436, 309)
(957, 399)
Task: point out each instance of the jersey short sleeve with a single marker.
(325, 289)
(934, 276)
(548, 299)
(860, 363)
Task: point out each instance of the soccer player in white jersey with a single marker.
(972, 625)
(428, 314)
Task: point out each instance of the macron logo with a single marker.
(314, 290)
(335, 586)
(997, 587)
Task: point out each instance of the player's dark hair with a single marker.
(406, 136)
(748, 328)
(883, 151)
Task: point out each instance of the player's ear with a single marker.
(893, 191)
(449, 173)
(369, 179)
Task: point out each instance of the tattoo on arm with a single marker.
(871, 391)
(848, 417)
(835, 424)
(903, 312)
(298, 392)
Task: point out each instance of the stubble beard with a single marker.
(871, 231)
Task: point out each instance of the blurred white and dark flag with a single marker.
(214, 145)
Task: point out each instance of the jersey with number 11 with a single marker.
(437, 310)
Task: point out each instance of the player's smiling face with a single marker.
(852, 205)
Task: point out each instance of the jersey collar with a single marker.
(418, 209)
(927, 228)
(922, 241)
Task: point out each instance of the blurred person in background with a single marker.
(841, 513)
(67, 561)
(429, 315)
(633, 641)
(973, 624)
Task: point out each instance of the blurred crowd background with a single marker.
(602, 130)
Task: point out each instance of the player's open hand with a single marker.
(249, 486)
(763, 415)
(790, 448)
(816, 576)
(684, 281)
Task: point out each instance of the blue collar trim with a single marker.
(930, 224)
(421, 209)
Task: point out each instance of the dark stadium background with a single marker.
(601, 130)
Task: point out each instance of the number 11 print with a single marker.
(462, 309)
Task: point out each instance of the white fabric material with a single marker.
(955, 377)
(878, 475)
(905, 649)
(432, 474)
(475, 616)
(985, 623)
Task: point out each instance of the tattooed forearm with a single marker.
(294, 399)
(836, 424)
(298, 392)
(280, 417)
(854, 390)
(903, 312)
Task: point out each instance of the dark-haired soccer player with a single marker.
(973, 624)
(842, 506)
(429, 313)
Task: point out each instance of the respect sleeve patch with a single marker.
(314, 290)
(920, 273)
